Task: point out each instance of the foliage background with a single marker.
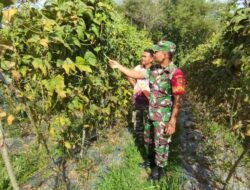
(56, 74)
(59, 88)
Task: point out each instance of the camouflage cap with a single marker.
(166, 46)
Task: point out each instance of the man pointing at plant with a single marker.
(167, 85)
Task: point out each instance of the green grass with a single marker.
(130, 177)
(25, 164)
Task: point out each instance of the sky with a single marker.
(40, 3)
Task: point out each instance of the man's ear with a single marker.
(167, 55)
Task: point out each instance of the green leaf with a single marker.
(50, 86)
(90, 58)
(76, 104)
(4, 65)
(93, 108)
(26, 59)
(55, 85)
(80, 31)
(38, 64)
(80, 65)
(79, 60)
(23, 70)
(88, 13)
(59, 38)
(95, 29)
(33, 39)
(84, 68)
(76, 42)
(59, 63)
(97, 49)
(105, 5)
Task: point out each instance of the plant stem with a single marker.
(232, 170)
(6, 159)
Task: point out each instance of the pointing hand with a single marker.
(113, 64)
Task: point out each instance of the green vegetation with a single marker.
(59, 71)
(59, 87)
(187, 23)
(26, 163)
(131, 176)
(56, 61)
(218, 74)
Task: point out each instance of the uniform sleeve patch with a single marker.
(178, 83)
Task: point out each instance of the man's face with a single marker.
(146, 58)
(159, 56)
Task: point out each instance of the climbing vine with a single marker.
(218, 73)
(56, 72)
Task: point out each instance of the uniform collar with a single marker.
(170, 67)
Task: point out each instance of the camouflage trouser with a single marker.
(157, 142)
(139, 119)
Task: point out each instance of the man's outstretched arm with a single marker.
(129, 72)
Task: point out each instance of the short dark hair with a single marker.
(150, 51)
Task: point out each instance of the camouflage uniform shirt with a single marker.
(164, 82)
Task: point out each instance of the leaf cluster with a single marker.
(55, 71)
(218, 72)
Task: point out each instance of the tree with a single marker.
(187, 23)
(145, 14)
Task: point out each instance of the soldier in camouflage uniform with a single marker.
(167, 85)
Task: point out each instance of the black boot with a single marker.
(156, 173)
(148, 162)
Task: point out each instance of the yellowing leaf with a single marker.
(55, 84)
(61, 94)
(19, 108)
(247, 133)
(62, 121)
(10, 119)
(59, 82)
(74, 17)
(2, 114)
(67, 145)
(68, 65)
(236, 126)
(12, 64)
(217, 62)
(19, 94)
(30, 96)
(48, 24)
(15, 75)
(44, 42)
(52, 131)
(8, 14)
(39, 64)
